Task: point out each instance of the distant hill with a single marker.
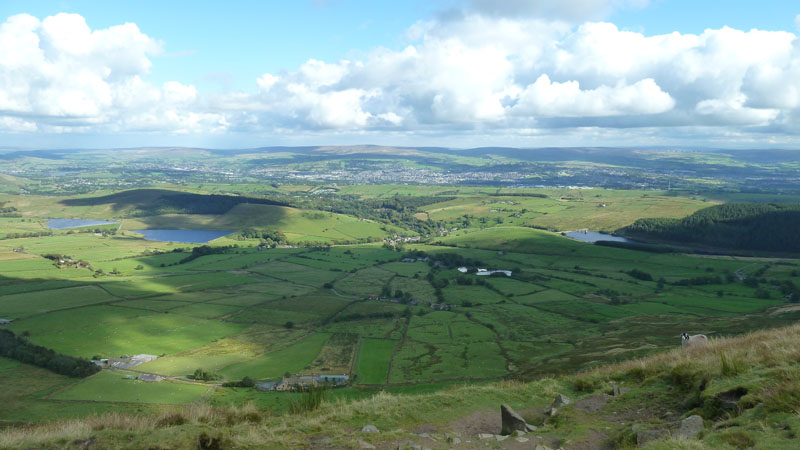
(771, 227)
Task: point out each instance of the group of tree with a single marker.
(268, 238)
(768, 227)
(16, 347)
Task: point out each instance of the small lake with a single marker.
(594, 236)
(186, 236)
(62, 224)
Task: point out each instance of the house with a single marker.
(408, 260)
(4, 321)
(149, 377)
(463, 269)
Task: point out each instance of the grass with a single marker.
(374, 357)
(292, 359)
(113, 386)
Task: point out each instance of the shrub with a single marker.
(310, 399)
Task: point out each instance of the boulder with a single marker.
(365, 445)
(484, 436)
(511, 421)
(409, 445)
(370, 429)
(522, 440)
(560, 400)
(645, 436)
(690, 427)
(530, 428)
(542, 447)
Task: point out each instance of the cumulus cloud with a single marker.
(518, 68)
(59, 75)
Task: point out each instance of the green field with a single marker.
(337, 298)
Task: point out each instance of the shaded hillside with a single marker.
(735, 226)
(152, 202)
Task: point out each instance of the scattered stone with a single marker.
(690, 427)
(409, 445)
(521, 440)
(484, 436)
(542, 447)
(365, 445)
(501, 437)
(561, 400)
(645, 436)
(370, 429)
(511, 420)
(456, 441)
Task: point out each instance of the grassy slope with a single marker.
(665, 387)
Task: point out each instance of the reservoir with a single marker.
(186, 236)
(594, 236)
(63, 224)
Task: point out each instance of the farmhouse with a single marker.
(4, 321)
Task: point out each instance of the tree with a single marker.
(289, 325)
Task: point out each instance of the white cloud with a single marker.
(546, 98)
(516, 68)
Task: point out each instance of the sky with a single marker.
(524, 73)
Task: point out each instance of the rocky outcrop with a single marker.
(690, 427)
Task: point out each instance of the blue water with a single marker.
(186, 236)
(594, 236)
(61, 224)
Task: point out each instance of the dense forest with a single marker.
(735, 226)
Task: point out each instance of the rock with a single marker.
(645, 436)
(365, 445)
(690, 427)
(456, 441)
(553, 412)
(409, 445)
(615, 390)
(520, 432)
(370, 429)
(511, 420)
(561, 400)
(530, 428)
(521, 440)
(542, 447)
(593, 403)
(484, 436)
(501, 437)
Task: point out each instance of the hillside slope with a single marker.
(746, 390)
(733, 226)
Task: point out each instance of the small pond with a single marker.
(594, 236)
(186, 236)
(62, 224)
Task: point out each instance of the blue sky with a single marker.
(416, 73)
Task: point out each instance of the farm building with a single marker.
(267, 385)
(305, 381)
(149, 377)
(125, 361)
(485, 272)
(4, 321)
